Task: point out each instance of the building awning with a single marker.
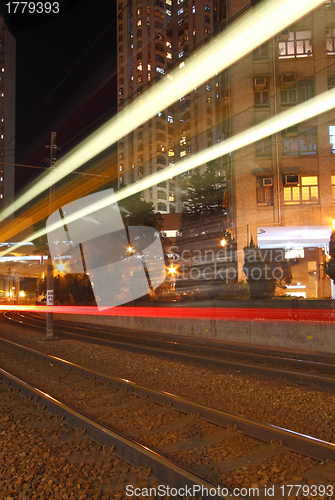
(293, 236)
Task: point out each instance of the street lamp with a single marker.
(172, 271)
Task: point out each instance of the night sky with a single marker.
(46, 52)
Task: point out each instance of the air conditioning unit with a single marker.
(268, 181)
(291, 180)
(284, 36)
(260, 83)
(288, 79)
(292, 131)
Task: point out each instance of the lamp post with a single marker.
(172, 273)
(50, 271)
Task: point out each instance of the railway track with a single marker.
(42, 457)
(299, 371)
(183, 443)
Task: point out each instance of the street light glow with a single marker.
(172, 270)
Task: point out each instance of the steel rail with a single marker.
(294, 441)
(296, 377)
(129, 450)
(213, 348)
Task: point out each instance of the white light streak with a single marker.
(313, 107)
(243, 36)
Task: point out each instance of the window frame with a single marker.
(298, 192)
(285, 46)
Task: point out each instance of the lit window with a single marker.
(333, 186)
(168, 55)
(168, 12)
(182, 153)
(305, 190)
(139, 22)
(159, 70)
(2, 94)
(194, 32)
(139, 79)
(170, 152)
(170, 119)
(1, 136)
(207, 8)
(180, 11)
(139, 67)
(169, 44)
(149, 77)
(3, 70)
(208, 86)
(182, 140)
(193, 9)
(299, 44)
(182, 64)
(169, 2)
(121, 168)
(139, 11)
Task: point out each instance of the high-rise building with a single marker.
(282, 188)
(7, 114)
(155, 36)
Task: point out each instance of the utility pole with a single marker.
(50, 270)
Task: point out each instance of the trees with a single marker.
(137, 212)
(265, 270)
(203, 227)
(204, 219)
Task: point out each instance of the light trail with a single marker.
(243, 36)
(313, 107)
(200, 313)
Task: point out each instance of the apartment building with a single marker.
(284, 185)
(282, 188)
(155, 36)
(7, 114)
